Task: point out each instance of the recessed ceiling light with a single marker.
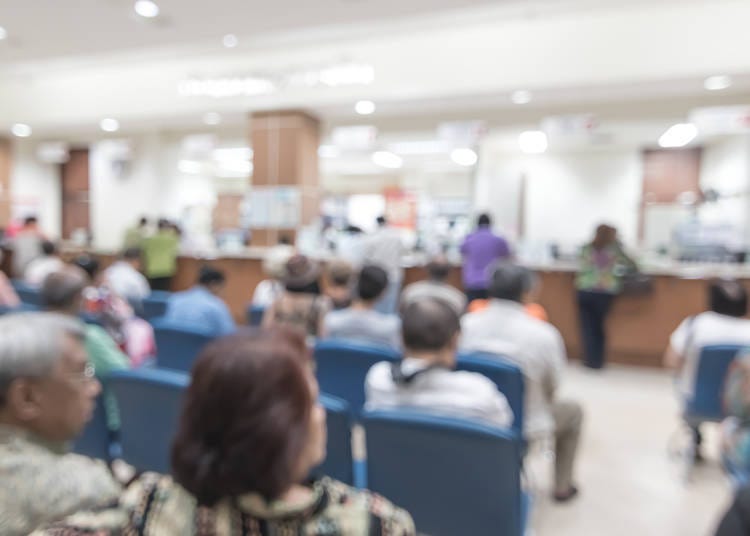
(212, 118)
(678, 135)
(521, 96)
(717, 83)
(230, 41)
(533, 142)
(387, 159)
(146, 8)
(464, 156)
(21, 130)
(109, 125)
(364, 107)
(328, 151)
(3, 33)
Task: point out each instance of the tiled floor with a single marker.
(629, 485)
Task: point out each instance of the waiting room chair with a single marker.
(706, 403)
(94, 441)
(154, 305)
(507, 376)
(339, 462)
(342, 367)
(28, 294)
(254, 314)
(454, 476)
(22, 308)
(177, 345)
(150, 404)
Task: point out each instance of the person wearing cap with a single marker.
(300, 305)
(201, 306)
(505, 329)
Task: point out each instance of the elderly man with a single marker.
(47, 394)
(505, 328)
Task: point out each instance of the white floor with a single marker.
(629, 484)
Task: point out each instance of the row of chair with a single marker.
(454, 476)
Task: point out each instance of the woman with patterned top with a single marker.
(250, 433)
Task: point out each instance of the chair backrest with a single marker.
(154, 305)
(254, 314)
(507, 376)
(177, 345)
(150, 403)
(338, 463)
(28, 294)
(342, 367)
(22, 308)
(713, 365)
(453, 476)
(94, 441)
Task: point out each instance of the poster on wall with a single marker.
(400, 208)
(273, 207)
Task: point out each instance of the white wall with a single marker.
(567, 195)
(35, 189)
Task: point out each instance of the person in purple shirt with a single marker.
(480, 249)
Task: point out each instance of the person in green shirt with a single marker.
(160, 256)
(62, 293)
(135, 236)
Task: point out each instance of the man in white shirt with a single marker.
(425, 379)
(38, 269)
(384, 248)
(125, 279)
(505, 329)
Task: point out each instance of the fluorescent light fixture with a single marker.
(146, 8)
(533, 142)
(212, 118)
(419, 147)
(717, 83)
(347, 74)
(21, 130)
(190, 167)
(364, 107)
(3, 33)
(230, 41)
(109, 125)
(234, 167)
(233, 154)
(464, 156)
(678, 135)
(387, 159)
(522, 96)
(226, 87)
(328, 151)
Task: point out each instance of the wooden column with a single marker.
(74, 177)
(285, 153)
(6, 164)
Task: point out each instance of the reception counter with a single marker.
(638, 327)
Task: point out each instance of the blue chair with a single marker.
(339, 463)
(154, 305)
(254, 314)
(706, 403)
(150, 403)
(28, 294)
(22, 308)
(507, 376)
(177, 345)
(94, 441)
(342, 367)
(453, 476)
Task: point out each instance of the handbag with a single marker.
(636, 283)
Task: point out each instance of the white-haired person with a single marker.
(47, 395)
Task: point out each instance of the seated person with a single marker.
(300, 306)
(8, 296)
(250, 433)
(426, 379)
(38, 269)
(201, 305)
(274, 266)
(62, 293)
(735, 444)
(506, 329)
(124, 277)
(436, 286)
(361, 322)
(529, 299)
(47, 395)
(736, 520)
(723, 323)
(337, 283)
